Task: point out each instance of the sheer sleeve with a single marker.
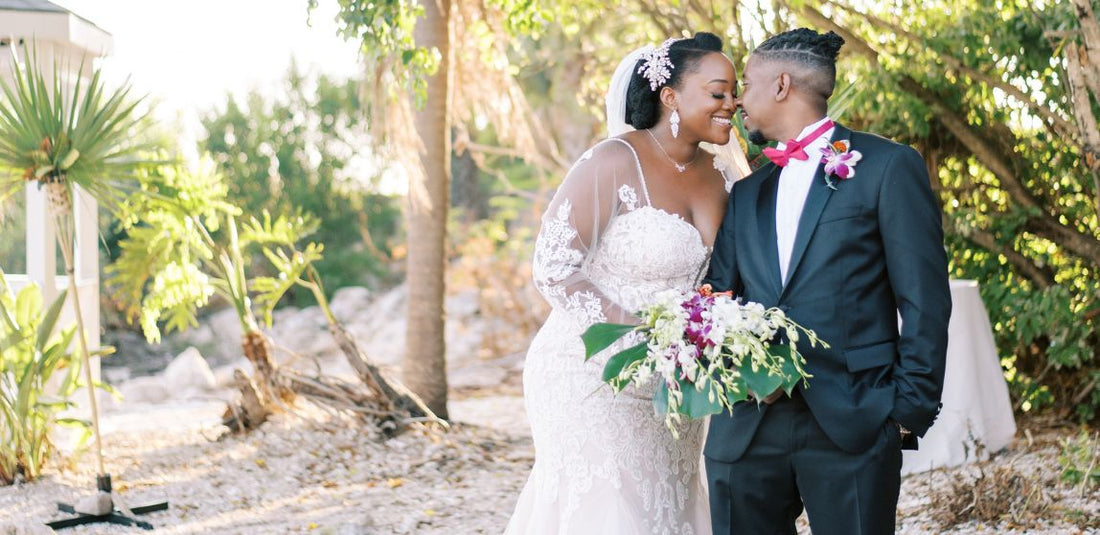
(603, 184)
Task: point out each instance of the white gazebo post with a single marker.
(68, 41)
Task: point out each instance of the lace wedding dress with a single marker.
(606, 463)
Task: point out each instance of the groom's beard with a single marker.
(757, 138)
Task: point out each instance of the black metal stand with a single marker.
(114, 517)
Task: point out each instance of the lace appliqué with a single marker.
(555, 260)
(599, 452)
(726, 168)
(629, 197)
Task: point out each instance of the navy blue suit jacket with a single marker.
(863, 254)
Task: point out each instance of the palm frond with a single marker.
(70, 129)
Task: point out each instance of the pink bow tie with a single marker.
(795, 149)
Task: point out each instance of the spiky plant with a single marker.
(63, 132)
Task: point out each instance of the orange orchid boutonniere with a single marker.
(839, 161)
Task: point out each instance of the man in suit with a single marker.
(844, 254)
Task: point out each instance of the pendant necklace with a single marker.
(681, 167)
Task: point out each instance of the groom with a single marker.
(844, 254)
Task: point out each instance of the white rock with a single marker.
(350, 302)
(223, 375)
(189, 370)
(150, 389)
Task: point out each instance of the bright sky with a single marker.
(189, 53)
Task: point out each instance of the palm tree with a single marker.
(427, 220)
(60, 139)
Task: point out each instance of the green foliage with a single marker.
(982, 92)
(71, 130)
(600, 336)
(309, 151)
(385, 29)
(32, 350)
(1080, 460)
(182, 245)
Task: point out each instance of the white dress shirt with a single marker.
(794, 185)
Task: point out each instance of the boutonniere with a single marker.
(839, 161)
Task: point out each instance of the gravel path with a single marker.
(319, 474)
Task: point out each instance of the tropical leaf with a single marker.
(760, 381)
(697, 404)
(791, 376)
(622, 359)
(600, 336)
(74, 130)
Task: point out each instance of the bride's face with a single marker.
(705, 100)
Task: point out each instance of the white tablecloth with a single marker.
(976, 406)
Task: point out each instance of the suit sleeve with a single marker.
(912, 232)
(722, 274)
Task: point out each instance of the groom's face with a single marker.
(756, 101)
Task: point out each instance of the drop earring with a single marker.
(674, 123)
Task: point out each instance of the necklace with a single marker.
(680, 167)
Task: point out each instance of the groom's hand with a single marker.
(771, 397)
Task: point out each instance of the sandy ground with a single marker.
(321, 474)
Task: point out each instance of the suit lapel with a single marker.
(766, 223)
(811, 212)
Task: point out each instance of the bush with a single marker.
(31, 352)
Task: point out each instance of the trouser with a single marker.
(791, 464)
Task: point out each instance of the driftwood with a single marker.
(376, 397)
(397, 398)
(250, 410)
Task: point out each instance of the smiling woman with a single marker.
(636, 215)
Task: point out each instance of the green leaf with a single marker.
(760, 382)
(737, 396)
(601, 335)
(28, 305)
(43, 171)
(622, 359)
(69, 160)
(791, 376)
(698, 404)
(660, 399)
(49, 321)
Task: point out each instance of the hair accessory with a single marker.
(656, 67)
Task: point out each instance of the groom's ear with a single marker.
(782, 86)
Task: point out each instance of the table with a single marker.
(976, 407)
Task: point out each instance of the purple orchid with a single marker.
(839, 161)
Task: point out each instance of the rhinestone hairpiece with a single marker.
(656, 67)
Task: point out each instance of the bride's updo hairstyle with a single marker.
(643, 105)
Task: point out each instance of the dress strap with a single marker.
(638, 164)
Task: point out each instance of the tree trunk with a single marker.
(425, 367)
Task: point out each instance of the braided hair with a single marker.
(643, 104)
(814, 52)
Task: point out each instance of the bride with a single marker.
(636, 214)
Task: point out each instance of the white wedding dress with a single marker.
(606, 463)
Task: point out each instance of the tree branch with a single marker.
(816, 18)
(660, 20)
(1041, 276)
(1058, 125)
(997, 161)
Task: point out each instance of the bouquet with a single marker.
(708, 350)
